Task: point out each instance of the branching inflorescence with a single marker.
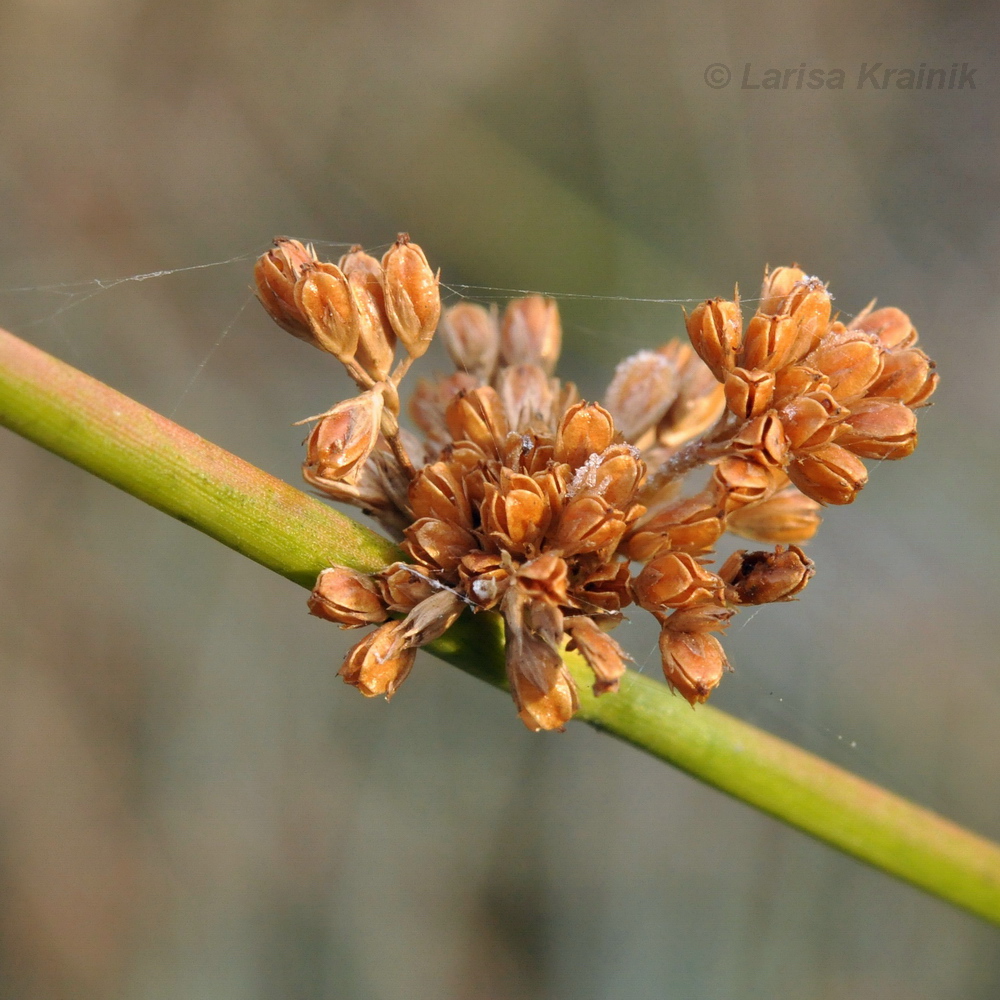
(524, 499)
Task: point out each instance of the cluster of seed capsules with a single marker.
(520, 498)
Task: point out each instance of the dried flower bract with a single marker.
(525, 500)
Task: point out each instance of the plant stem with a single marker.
(149, 456)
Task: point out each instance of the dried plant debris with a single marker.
(524, 499)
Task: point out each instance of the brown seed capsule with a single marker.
(526, 392)
(376, 339)
(438, 544)
(766, 577)
(691, 524)
(275, 275)
(673, 580)
(762, 440)
(412, 298)
(794, 381)
(603, 655)
(851, 363)
(879, 428)
(715, 329)
(749, 393)
(478, 417)
(908, 376)
(809, 306)
(543, 690)
(339, 445)
(829, 474)
(403, 586)
(430, 619)
(430, 400)
(607, 588)
(531, 333)
(710, 617)
(811, 421)
(324, 298)
(789, 516)
(516, 518)
(890, 325)
(615, 474)
(769, 343)
(348, 598)
(588, 524)
(471, 335)
(439, 491)
(484, 578)
(643, 388)
(777, 287)
(586, 429)
(379, 663)
(739, 481)
(693, 663)
(544, 579)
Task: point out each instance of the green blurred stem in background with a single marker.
(154, 459)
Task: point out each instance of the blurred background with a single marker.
(191, 803)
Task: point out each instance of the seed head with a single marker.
(524, 500)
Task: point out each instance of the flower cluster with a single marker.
(524, 499)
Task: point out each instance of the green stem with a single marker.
(269, 521)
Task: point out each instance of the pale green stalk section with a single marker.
(269, 521)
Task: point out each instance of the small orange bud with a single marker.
(341, 595)
(412, 298)
(430, 400)
(531, 333)
(740, 481)
(763, 440)
(851, 363)
(471, 335)
(810, 421)
(749, 393)
(673, 580)
(586, 429)
(324, 298)
(516, 518)
(879, 428)
(483, 578)
(478, 416)
(275, 275)
(403, 586)
(907, 375)
(830, 474)
(588, 523)
(439, 544)
(438, 491)
(890, 325)
(777, 287)
(379, 663)
(715, 328)
(693, 663)
(339, 445)
(789, 516)
(692, 524)
(766, 577)
(376, 339)
(770, 342)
